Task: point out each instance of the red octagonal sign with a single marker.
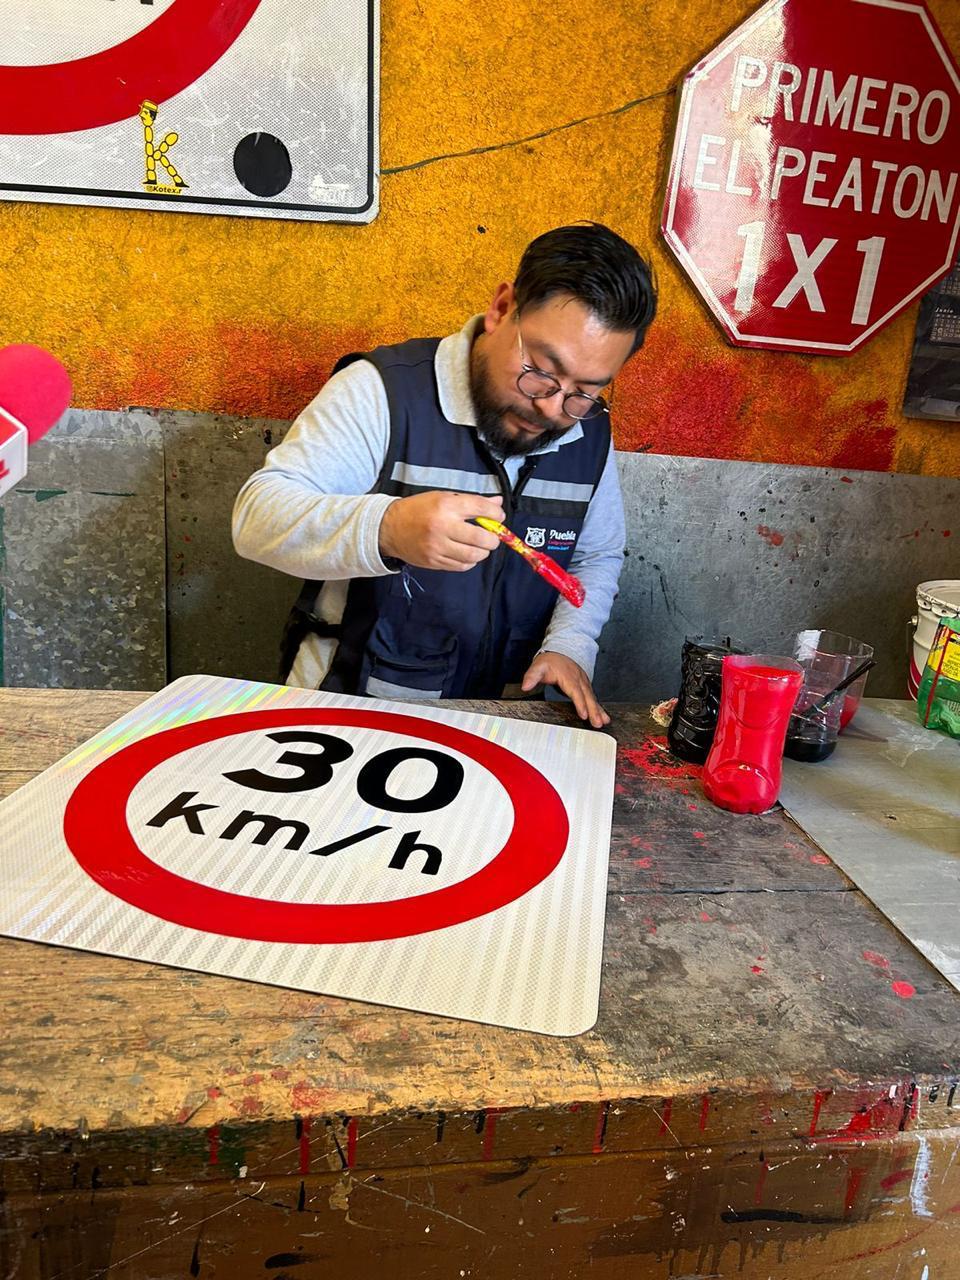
(814, 189)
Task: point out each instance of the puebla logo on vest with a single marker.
(561, 539)
(535, 537)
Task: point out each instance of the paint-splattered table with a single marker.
(769, 1091)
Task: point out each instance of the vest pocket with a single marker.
(403, 663)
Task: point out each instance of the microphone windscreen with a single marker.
(35, 388)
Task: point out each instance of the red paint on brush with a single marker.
(570, 588)
(905, 990)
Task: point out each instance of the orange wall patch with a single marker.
(488, 138)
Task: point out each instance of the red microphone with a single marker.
(35, 390)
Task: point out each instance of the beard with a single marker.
(490, 412)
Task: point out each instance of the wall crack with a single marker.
(530, 137)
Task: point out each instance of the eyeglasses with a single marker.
(537, 385)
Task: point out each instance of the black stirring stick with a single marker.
(821, 703)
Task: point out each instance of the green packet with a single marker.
(938, 701)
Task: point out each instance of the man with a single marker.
(372, 494)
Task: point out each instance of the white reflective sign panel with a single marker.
(262, 108)
(426, 858)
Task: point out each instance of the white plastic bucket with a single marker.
(935, 600)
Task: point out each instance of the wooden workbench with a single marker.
(754, 1101)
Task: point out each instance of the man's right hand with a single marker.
(431, 530)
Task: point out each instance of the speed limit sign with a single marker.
(431, 859)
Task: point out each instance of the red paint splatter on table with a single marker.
(706, 918)
(845, 480)
(306, 1099)
(820, 859)
(875, 958)
(665, 1117)
(881, 1120)
(643, 863)
(854, 1178)
(773, 536)
(653, 758)
(756, 968)
(651, 925)
(905, 990)
(819, 1098)
(899, 1175)
(600, 1133)
(213, 1143)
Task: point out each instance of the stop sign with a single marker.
(814, 189)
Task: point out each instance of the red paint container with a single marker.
(745, 764)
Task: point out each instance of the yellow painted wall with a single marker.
(575, 101)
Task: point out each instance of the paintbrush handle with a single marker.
(822, 703)
(570, 588)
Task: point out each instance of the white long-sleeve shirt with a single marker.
(309, 511)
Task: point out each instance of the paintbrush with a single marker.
(570, 588)
(821, 704)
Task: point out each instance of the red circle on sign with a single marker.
(96, 831)
(155, 64)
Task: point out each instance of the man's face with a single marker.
(560, 337)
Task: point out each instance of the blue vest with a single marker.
(428, 633)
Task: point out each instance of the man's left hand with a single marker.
(569, 678)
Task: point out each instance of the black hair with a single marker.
(593, 264)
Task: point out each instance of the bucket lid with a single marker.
(941, 594)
